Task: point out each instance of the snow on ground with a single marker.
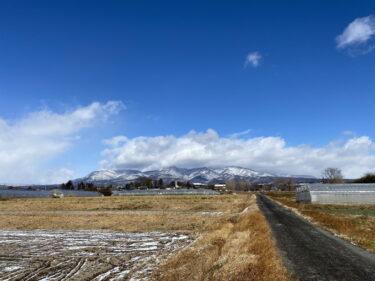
(84, 255)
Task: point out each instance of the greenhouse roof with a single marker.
(339, 187)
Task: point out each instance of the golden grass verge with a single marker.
(355, 228)
(237, 248)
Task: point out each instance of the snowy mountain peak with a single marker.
(202, 175)
(102, 175)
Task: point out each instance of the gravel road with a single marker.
(311, 253)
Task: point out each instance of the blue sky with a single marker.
(177, 66)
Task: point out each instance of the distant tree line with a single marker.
(145, 182)
(156, 183)
(140, 183)
(87, 186)
(281, 184)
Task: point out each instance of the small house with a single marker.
(199, 185)
(220, 186)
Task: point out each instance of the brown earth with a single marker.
(83, 255)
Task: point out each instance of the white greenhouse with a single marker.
(336, 193)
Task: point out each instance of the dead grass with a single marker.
(132, 222)
(239, 247)
(168, 221)
(233, 246)
(340, 219)
(222, 203)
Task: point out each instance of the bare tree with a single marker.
(239, 185)
(332, 175)
(231, 185)
(285, 184)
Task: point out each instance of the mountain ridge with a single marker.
(204, 175)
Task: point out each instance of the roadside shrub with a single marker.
(106, 191)
(368, 178)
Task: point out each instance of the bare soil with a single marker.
(84, 255)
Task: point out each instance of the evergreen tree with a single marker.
(69, 185)
(368, 178)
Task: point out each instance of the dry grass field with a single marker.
(239, 248)
(132, 222)
(233, 245)
(37, 212)
(223, 203)
(353, 222)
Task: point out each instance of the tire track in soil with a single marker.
(36, 255)
(311, 253)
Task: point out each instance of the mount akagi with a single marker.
(201, 175)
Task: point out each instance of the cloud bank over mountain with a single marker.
(355, 156)
(30, 143)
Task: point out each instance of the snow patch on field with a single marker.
(90, 255)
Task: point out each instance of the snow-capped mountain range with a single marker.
(201, 175)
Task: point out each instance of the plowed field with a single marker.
(84, 255)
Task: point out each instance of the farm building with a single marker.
(220, 186)
(336, 193)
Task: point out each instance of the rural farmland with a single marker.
(223, 237)
(187, 140)
(135, 238)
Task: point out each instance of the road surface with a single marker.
(311, 253)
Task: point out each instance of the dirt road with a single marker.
(314, 254)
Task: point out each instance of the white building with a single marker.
(336, 193)
(220, 186)
(199, 185)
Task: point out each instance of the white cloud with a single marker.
(357, 34)
(348, 133)
(56, 176)
(240, 134)
(355, 157)
(28, 143)
(253, 59)
(115, 141)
